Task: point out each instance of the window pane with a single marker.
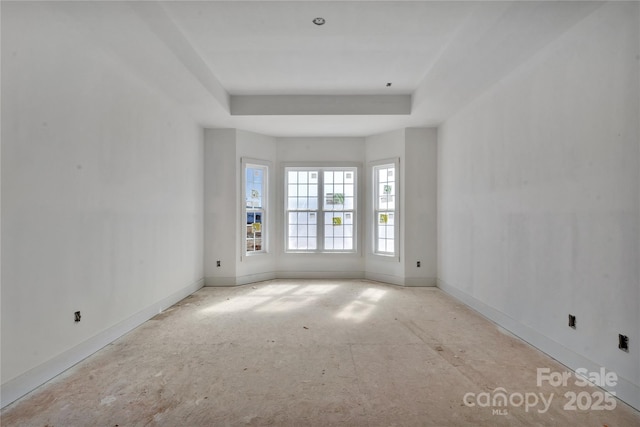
(255, 197)
(348, 244)
(385, 202)
(348, 218)
(293, 203)
(328, 177)
(328, 243)
(313, 203)
(293, 243)
(348, 190)
(338, 204)
(302, 203)
(349, 177)
(348, 203)
(312, 244)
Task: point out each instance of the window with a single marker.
(321, 209)
(253, 215)
(385, 199)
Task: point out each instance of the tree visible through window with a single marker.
(321, 209)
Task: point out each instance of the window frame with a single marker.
(320, 168)
(375, 194)
(247, 163)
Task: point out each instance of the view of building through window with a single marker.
(255, 197)
(321, 209)
(385, 207)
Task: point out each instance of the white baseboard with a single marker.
(320, 275)
(30, 380)
(402, 281)
(220, 281)
(385, 278)
(420, 281)
(625, 390)
(253, 278)
(346, 275)
(239, 280)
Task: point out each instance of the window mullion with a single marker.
(320, 218)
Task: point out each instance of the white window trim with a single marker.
(374, 194)
(247, 162)
(320, 166)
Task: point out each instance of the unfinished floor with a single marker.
(312, 353)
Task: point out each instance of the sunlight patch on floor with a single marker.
(315, 289)
(272, 299)
(242, 303)
(286, 303)
(360, 308)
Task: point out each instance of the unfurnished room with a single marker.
(320, 213)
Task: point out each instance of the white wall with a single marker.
(101, 199)
(221, 211)
(539, 198)
(420, 207)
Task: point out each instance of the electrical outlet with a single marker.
(572, 321)
(623, 342)
(418, 264)
(218, 263)
(77, 316)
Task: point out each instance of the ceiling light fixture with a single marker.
(319, 21)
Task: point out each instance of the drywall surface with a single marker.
(420, 212)
(101, 191)
(221, 207)
(538, 198)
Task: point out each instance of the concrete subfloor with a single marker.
(313, 353)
